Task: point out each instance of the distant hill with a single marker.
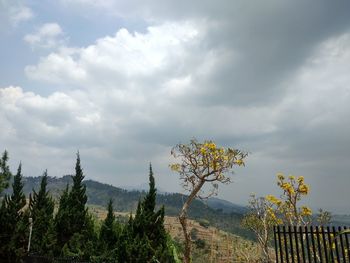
(341, 220)
(226, 206)
(220, 213)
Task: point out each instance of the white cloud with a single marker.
(57, 68)
(20, 14)
(14, 12)
(125, 55)
(53, 117)
(49, 35)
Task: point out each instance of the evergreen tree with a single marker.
(14, 222)
(74, 226)
(109, 247)
(61, 221)
(5, 174)
(41, 207)
(108, 233)
(148, 236)
(77, 200)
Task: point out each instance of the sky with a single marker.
(122, 82)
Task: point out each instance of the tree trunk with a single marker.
(188, 247)
(183, 221)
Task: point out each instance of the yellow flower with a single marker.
(239, 162)
(306, 211)
(175, 167)
(280, 176)
(273, 199)
(212, 145)
(287, 187)
(304, 189)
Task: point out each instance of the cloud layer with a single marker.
(268, 78)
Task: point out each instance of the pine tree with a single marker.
(5, 174)
(41, 207)
(14, 222)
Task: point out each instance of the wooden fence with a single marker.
(312, 244)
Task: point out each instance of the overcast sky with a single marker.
(124, 81)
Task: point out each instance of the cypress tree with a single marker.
(41, 207)
(5, 174)
(5, 223)
(14, 222)
(61, 221)
(108, 233)
(78, 199)
(109, 247)
(6, 226)
(74, 225)
(147, 228)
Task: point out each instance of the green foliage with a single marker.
(74, 226)
(14, 222)
(62, 219)
(5, 174)
(200, 243)
(149, 239)
(194, 233)
(73, 231)
(108, 234)
(204, 222)
(41, 207)
(126, 201)
(109, 238)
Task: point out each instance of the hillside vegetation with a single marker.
(218, 213)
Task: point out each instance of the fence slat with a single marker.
(285, 243)
(280, 242)
(307, 244)
(325, 244)
(291, 243)
(341, 243)
(330, 243)
(313, 243)
(276, 246)
(347, 243)
(336, 244)
(296, 242)
(320, 254)
(302, 243)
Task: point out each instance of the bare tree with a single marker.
(202, 163)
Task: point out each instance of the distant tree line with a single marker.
(69, 230)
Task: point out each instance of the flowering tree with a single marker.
(201, 163)
(265, 212)
(260, 219)
(287, 205)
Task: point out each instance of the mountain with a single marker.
(219, 213)
(226, 206)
